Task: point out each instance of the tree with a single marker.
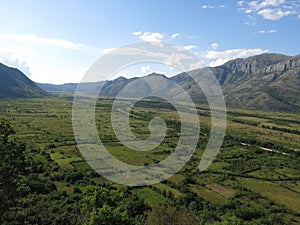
(161, 215)
(12, 165)
(228, 219)
(102, 206)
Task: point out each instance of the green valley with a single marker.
(254, 179)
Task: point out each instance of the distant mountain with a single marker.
(267, 82)
(112, 88)
(88, 88)
(15, 84)
(70, 87)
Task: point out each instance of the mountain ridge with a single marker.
(89, 87)
(268, 81)
(15, 84)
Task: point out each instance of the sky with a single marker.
(56, 42)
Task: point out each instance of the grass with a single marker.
(150, 196)
(274, 192)
(225, 192)
(56, 156)
(165, 187)
(66, 163)
(208, 194)
(62, 187)
(47, 123)
(80, 165)
(176, 178)
(62, 161)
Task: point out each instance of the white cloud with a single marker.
(298, 16)
(271, 31)
(212, 6)
(273, 14)
(251, 20)
(148, 36)
(189, 47)
(240, 3)
(270, 9)
(45, 68)
(218, 62)
(233, 53)
(107, 50)
(176, 60)
(175, 35)
(224, 56)
(145, 69)
(16, 57)
(214, 46)
(257, 5)
(197, 65)
(267, 31)
(137, 33)
(207, 7)
(32, 38)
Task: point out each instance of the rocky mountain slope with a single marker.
(267, 82)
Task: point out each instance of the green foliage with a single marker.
(103, 206)
(39, 186)
(161, 215)
(12, 165)
(59, 187)
(47, 209)
(228, 219)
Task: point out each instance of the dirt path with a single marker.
(265, 149)
(227, 193)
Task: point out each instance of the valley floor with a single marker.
(255, 178)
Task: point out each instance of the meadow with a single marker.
(255, 176)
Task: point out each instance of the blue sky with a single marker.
(57, 41)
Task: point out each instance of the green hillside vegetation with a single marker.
(14, 84)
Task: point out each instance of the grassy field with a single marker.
(241, 170)
(274, 191)
(150, 196)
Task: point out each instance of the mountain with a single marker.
(15, 84)
(266, 82)
(112, 88)
(88, 88)
(70, 87)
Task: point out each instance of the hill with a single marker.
(266, 82)
(88, 88)
(15, 84)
